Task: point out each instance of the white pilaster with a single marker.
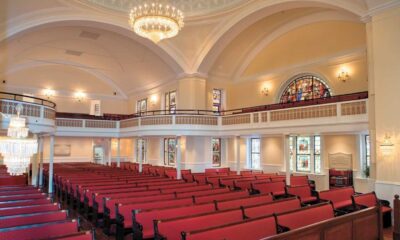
(140, 154)
(118, 152)
(286, 156)
(178, 157)
(237, 154)
(51, 163)
(40, 154)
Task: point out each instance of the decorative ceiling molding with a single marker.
(252, 13)
(99, 75)
(191, 8)
(71, 17)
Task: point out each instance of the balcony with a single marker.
(343, 113)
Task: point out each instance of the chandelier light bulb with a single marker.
(156, 22)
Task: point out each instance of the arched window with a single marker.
(305, 87)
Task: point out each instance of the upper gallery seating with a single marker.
(216, 204)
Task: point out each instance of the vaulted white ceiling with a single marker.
(87, 44)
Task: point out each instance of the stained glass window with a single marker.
(170, 101)
(317, 154)
(141, 143)
(303, 154)
(217, 97)
(255, 153)
(305, 87)
(169, 151)
(141, 106)
(216, 148)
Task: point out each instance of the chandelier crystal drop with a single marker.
(17, 148)
(156, 21)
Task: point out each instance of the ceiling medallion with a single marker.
(156, 21)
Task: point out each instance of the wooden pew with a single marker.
(341, 198)
(249, 229)
(367, 200)
(32, 218)
(364, 225)
(275, 188)
(396, 215)
(303, 192)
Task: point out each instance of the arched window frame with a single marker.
(298, 77)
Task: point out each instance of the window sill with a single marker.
(313, 174)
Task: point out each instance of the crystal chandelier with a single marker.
(156, 21)
(17, 148)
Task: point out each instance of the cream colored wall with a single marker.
(81, 149)
(154, 149)
(384, 49)
(248, 93)
(192, 93)
(158, 93)
(347, 144)
(307, 43)
(272, 154)
(126, 148)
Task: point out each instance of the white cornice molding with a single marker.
(380, 8)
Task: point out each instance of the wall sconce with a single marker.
(387, 146)
(265, 91)
(79, 96)
(153, 99)
(49, 93)
(343, 75)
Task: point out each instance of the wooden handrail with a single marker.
(396, 217)
(19, 97)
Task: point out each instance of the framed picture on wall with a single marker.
(62, 150)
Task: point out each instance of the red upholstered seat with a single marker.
(145, 218)
(28, 202)
(340, 197)
(252, 229)
(246, 184)
(40, 231)
(220, 197)
(27, 219)
(172, 228)
(279, 206)
(305, 216)
(276, 188)
(28, 209)
(202, 192)
(244, 202)
(303, 192)
(298, 180)
(369, 200)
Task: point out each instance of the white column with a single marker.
(40, 153)
(35, 162)
(109, 155)
(178, 157)
(140, 154)
(286, 157)
(118, 152)
(237, 154)
(51, 162)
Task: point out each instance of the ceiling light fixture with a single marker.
(156, 21)
(17, 149)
